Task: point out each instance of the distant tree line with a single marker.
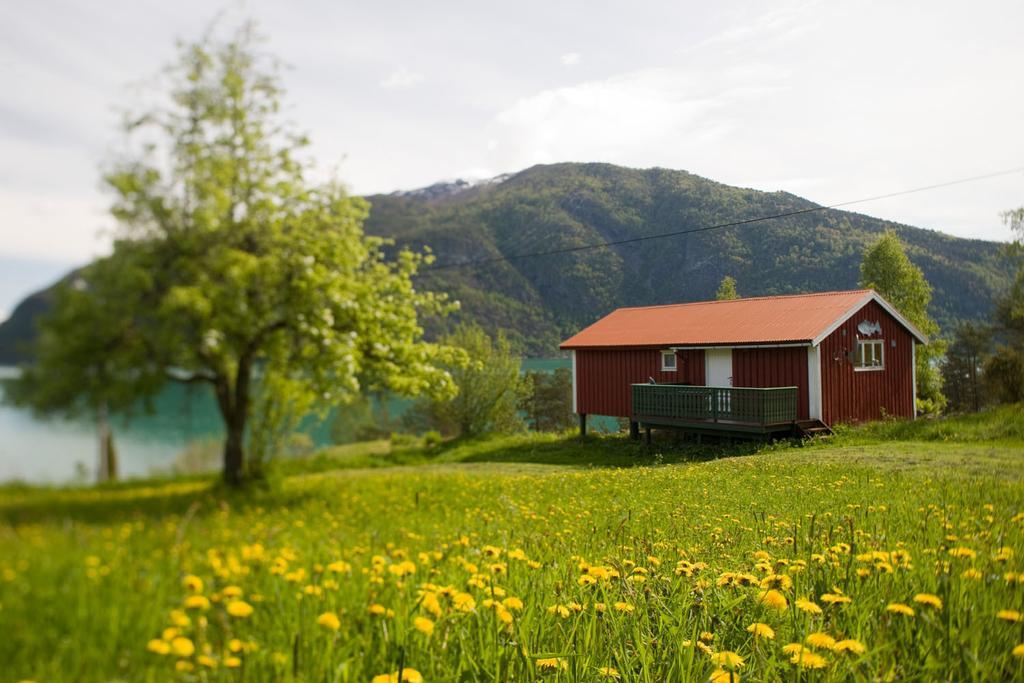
(984, 363)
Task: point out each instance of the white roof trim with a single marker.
(889, 308)
(738, 345)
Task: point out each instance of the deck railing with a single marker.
(755, 406)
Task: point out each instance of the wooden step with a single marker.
(812, 428)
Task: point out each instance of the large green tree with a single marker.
(886, 269)
(1004, 370)
(962, 368)
(490, 388)
(250, 277)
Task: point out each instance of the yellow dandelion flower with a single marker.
(762, 631)
(378, 610)
(183, 665)
(169, 633)
(431, 604)
(723, 676)
(160, 647)
(408, 676)
(900, 608)
(836, 599)
(962, 553)
(773, 599)
(972, 574)
(232, 662)
(727, 659)
(463, 602)
(200, 602)
(560, 610)
(235, 645)
(780, 581)
(806, 659)
(549, 664)
(849, 645)
(239, 608)
(329, 620)
(232, 592)
(928, 599)
(822, 641)
(207, 661)
(192, 583)
(793, 648)
(513, 604)
(809, 606)
(623, 607)
(183, 647)
(609, 672)
(1018, 651)
(179, 618)
(402, 568)
(423, 625)
(1009, 615)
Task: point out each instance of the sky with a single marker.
(832, 101)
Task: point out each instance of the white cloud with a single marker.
(401, 78)
(570, 59)
(661, 116)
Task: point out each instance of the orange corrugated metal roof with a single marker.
(763, 320)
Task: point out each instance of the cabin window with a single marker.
(668, 361)
(870, 355)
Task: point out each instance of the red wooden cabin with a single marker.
(758, 365)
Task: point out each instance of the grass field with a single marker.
(537, 558)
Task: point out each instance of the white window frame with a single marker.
(862, 344)
(675, 361)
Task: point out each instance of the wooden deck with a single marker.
(740, 411)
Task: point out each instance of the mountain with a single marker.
(541, 300)
(18, 331)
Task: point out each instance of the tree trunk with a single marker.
(234, 407)
(103, 434)
(234, 457)
(111, 456)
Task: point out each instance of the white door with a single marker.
(718, 367)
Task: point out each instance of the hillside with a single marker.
(543, 300)
(539, 301)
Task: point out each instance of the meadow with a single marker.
(536, 558)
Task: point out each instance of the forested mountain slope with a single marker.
(543, 299)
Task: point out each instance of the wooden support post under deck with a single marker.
(583, 424)
(634, 430)
(647, 435)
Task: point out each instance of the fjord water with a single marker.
(57, 450)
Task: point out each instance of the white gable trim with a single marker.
(869, 297)
(738, 347)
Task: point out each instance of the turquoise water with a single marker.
(59, 450)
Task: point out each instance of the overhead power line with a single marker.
(717, 226)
